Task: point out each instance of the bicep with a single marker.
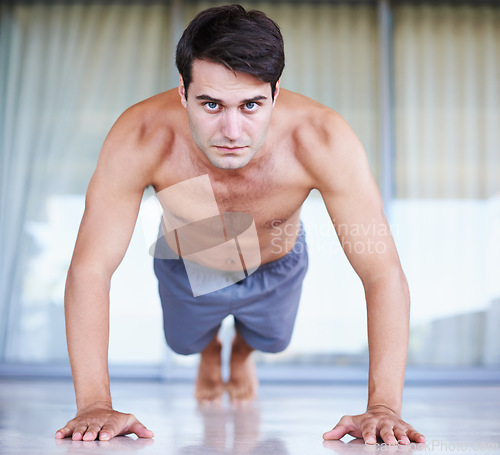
(363, 232)
(355, 207)
(112, 204)
(107, 226)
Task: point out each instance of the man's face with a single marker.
(229, 113)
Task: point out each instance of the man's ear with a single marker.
(276, 91)
(182, 91)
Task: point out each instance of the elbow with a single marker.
(85, 276)
(392, 281)
(82, 269)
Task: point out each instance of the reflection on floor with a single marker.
(286, 420)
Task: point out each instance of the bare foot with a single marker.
(209, 386)
(243, 382)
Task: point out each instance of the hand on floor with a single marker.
(377, 421)
(102, 422)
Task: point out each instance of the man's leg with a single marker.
(243, 382)
(209, 386)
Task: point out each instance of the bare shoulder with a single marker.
(316, 128)
(323, 141)
(140, 137)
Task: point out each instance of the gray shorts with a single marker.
(264, 304)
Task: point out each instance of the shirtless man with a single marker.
(263, 149)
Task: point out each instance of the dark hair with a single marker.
(247, 42)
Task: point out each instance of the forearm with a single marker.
(87, 331)
(388, 308)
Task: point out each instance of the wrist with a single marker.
(94, 404)
(386, 393)
(394, 409)
(95, 392)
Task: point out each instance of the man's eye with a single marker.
(212, 106)
(251, 106)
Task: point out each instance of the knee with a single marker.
(184, 344)
(278, 345)
(181, 348)
(271, 345)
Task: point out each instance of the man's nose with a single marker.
(231, 125)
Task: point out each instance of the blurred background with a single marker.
(419, 82)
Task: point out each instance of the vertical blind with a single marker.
(69, 70)
(447, 72)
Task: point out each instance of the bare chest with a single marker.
(268, 200)
(268, 195)
(270, 191)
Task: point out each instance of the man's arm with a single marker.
(111, 209)
(355, 207)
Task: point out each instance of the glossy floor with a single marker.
(286, 420)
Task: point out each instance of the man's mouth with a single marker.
(229, 149)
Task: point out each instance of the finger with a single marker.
(340, 430)
(91, 433)
(107, 432)
(400, 435)
(141, 431)
(370, 434)
(79, 432)
(336, 433)
(414, 435)
(387, 435)
(64, 432)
